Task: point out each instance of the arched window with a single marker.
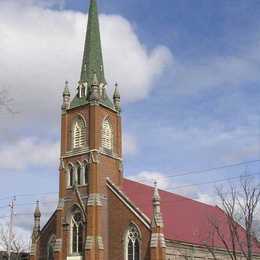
(50, 248)
(79, 133)
(70, 176)
(132, 245)
(50, 253)
(77, 233)
(107, 136)
(85, 173)
(79, 177)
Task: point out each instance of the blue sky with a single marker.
(193, 104)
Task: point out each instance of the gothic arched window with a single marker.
(79, 133)
(85, 173)
(107, 136)
(77, 233)
(78, 172)
(70, 176)
(50, 248)
(50, 253)
(132, 245)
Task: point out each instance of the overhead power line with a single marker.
(217, 168)
(29, 195)
(173, 189)
(212, 169)
(215, 181)
(180, 174)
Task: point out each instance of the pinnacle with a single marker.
(66, 91)
(116, 92)
(37, 212)
(156, 195)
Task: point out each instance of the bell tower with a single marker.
(91, 152)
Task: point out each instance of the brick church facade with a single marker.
(100, 214)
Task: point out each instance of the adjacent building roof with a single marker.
(185, 220)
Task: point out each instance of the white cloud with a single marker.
(149, 177)
(41, 48)
(28, 152)
(218, 71)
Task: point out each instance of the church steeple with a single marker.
(92, 59)
(92, 65)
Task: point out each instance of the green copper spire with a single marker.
(92, 59)
(92, 66)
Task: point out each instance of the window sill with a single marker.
(79, 186)
(78, 257)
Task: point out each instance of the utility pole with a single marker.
(11, 223)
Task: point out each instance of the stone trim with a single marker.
(90, 240)
(86, 150)
(157, 239)
(60, 204)
(95, 199)
(100, 243)
(58, 245)
(93, 157)
(62, 165)
(75, 152)
(33, 249)
(157, 221)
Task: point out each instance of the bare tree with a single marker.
(6, 103)
(18, 245)
(240, 206)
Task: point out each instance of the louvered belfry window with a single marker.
(79, 133)
(107, 136)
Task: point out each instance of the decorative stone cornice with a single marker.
(75, 152)
(86, 150)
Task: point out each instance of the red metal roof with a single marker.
(185, 220)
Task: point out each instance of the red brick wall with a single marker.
(48, 230)
(118, 221)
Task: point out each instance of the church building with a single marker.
(101, 215)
